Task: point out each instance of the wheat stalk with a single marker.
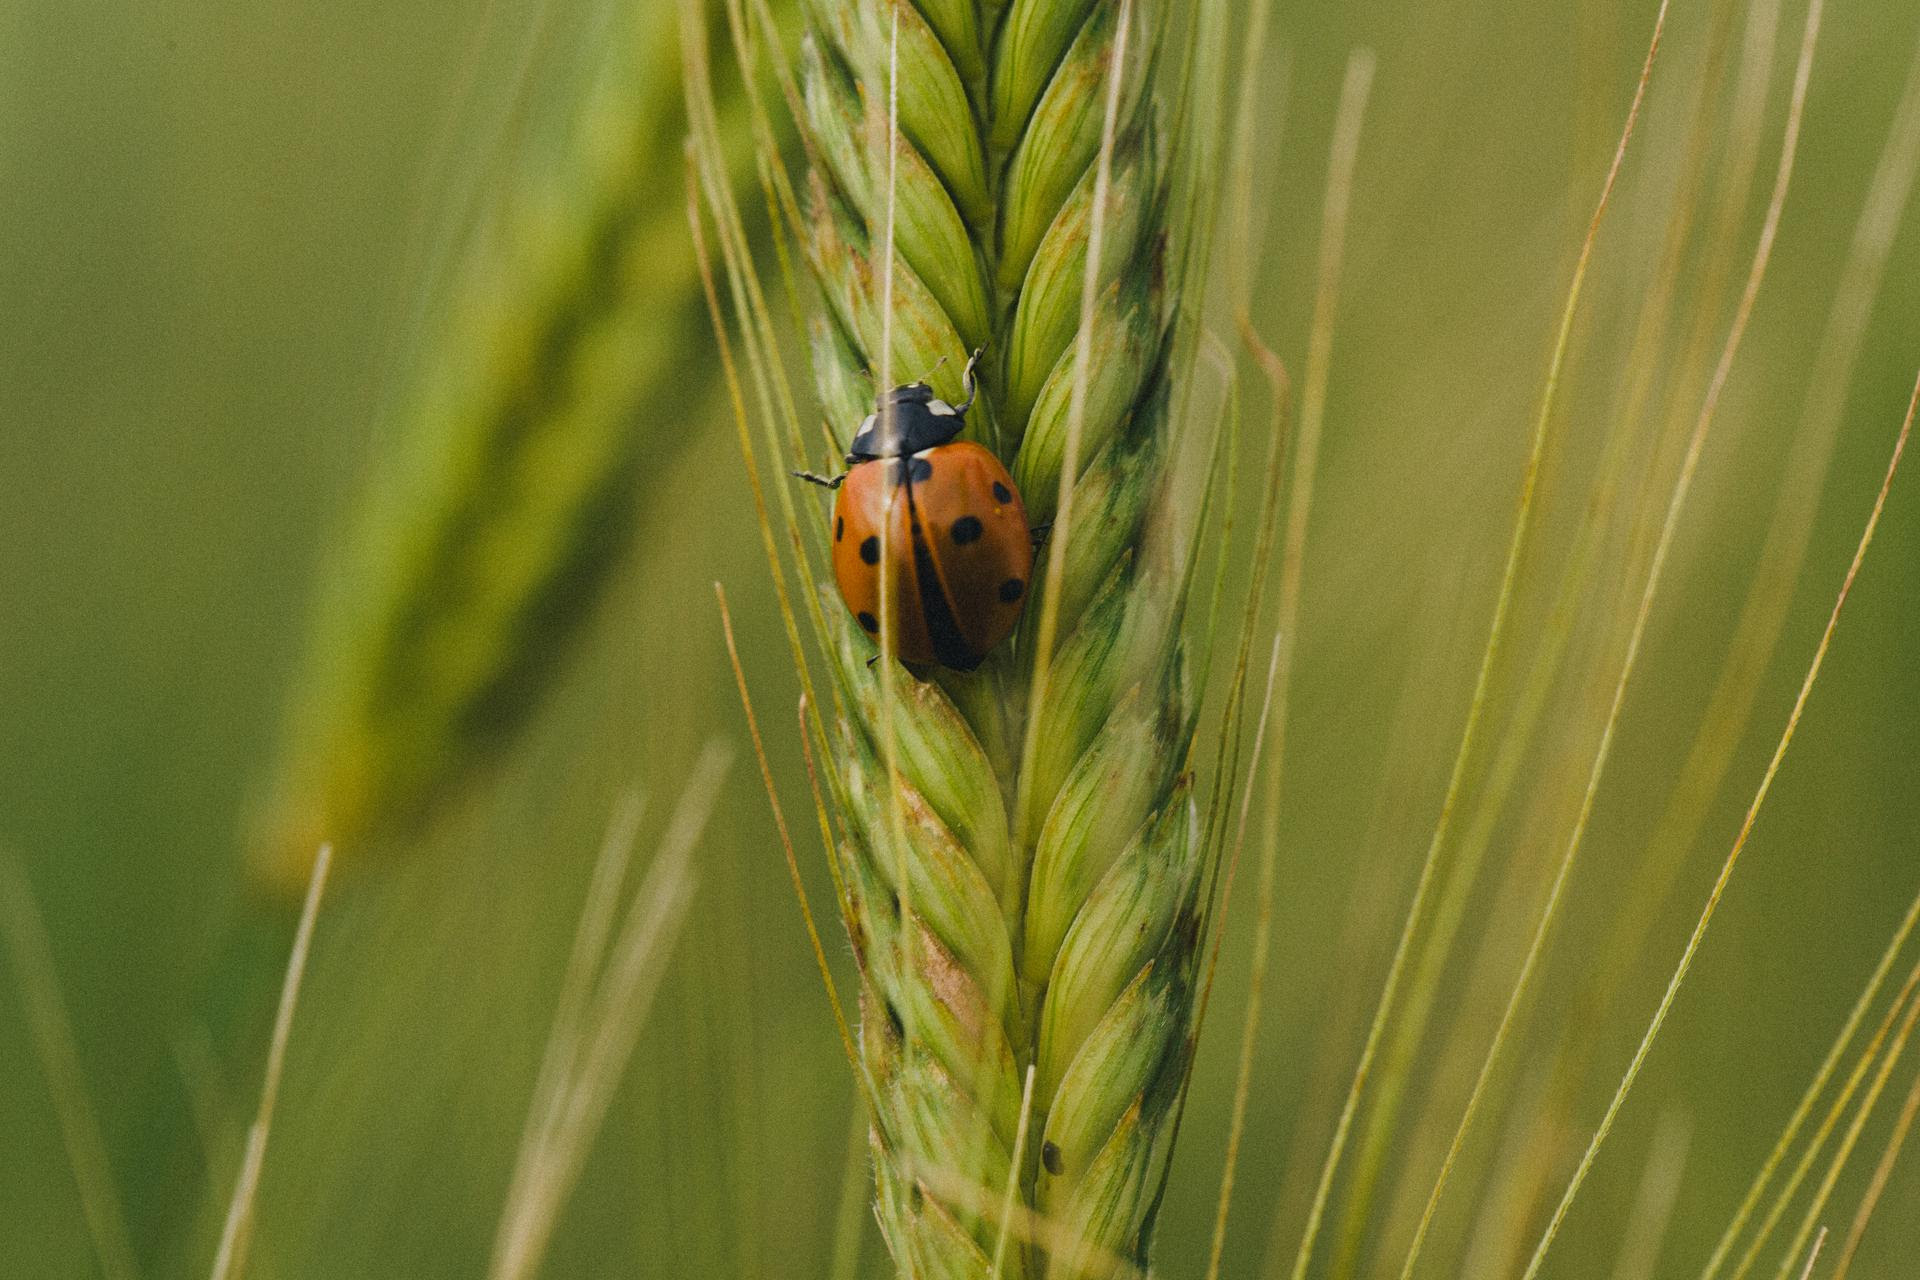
(1048, 911)
(1023, 863)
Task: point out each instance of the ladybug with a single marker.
(955, 530)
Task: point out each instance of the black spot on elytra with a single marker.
(916, 469)
(839, 528)
(1001, 493)
(867, 620)
(967, 529)
(870, 550)
(1050, 1156)
(1011, 590)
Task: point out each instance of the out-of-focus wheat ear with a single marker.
(499, 495)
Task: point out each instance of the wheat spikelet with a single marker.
(499, 498)
(1022, 857)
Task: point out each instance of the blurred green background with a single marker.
(223, 232)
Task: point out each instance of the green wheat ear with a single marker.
(1022, 859)
(500, 496)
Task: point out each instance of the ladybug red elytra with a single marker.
(954, 527)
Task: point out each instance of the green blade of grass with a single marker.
(1384, 1009)
(1733, 856)
(1676, 505)
(237, 1233)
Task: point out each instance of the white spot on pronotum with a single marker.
(939, 408)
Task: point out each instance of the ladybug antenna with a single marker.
(968, 383)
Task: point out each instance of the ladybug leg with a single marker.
(822, 481)
(1039, 534)
(870, 661)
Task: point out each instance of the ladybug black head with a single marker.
(905, 423)
(909, 419)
